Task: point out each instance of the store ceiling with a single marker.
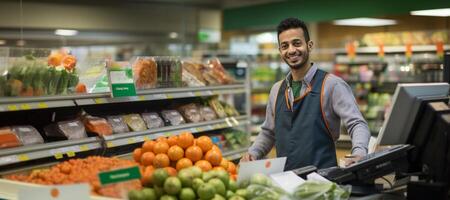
(219, 4)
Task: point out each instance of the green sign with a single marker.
(121, 80)
(120, 175)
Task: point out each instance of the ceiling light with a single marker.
(364, 21)
(443, 12)
(2, 42)
(66, 32)
(173, 35)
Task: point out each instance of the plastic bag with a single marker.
(135, 122)
(117, 124)
(153, 120)
(218, 108)
(207, 113)
(28, 135)
(191, 113)
(314, 190)
(66, 130)
(8, 138)
(97, 125)
(173, 117)
(145, 72)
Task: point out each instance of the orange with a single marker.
(148, 146)
(204, 165)
(173, 140)
(231, 167)
(137, 153)
(161, 147)
(194, 153)
(161, 139)
(183, 163)
(214, 157)
(171, 171)
(219, 168)
(215, 147)
(205, 143)
(224, 163)
(147, 158)
(161, 160)
(185, 140)
(175, 153)
(147, 175)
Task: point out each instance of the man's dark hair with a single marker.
(291, 23)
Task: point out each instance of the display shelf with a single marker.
(70, 148)
(53, 149)
(136, 137)
(8, 104)
(235, 154)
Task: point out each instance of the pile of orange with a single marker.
(177, 152)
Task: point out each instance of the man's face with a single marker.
(293, 48)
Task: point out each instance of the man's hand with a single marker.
(350, 159)
(247, 157)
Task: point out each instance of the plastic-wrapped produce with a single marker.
(135, 122)
(28, 135)
(190, 112)
(118, 124)
(207, 113)
(8, 138)
(153, 120)
(145, 72)
(229, 110)
(66, 130)
(173, 117)
(97, 125)
(218, 108)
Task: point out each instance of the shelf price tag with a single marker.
(119, 175)
(199, 129)
(168, 134)
(58, 155)
(42, 105)
(25, 106)
(99, 100)
(23, 157)
(109, 144)
(198, 93)
(131, 141)
(71, 154)
(84, 148)
(169, 96)
(146, 138)
(142, 98)
(12, 107)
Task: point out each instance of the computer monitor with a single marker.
(406, 103)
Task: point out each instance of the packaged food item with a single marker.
(207, 113)
(153, 120)
(193, 73)
(173, 117)
(217, 107)
(135, 122)
(28, 135)
(190, 112)
(145, 72)
(169, 71)
(229, 109)
(191, 80)
(219, 72)
(66, 130)
(8, 138)
(118, 124)
(97, 125)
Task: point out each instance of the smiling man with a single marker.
(305, 110)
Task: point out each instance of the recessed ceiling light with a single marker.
(443, 12)
(66, 32)
(2, 42)
(173, 35)
(364, 21)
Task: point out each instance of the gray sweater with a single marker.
(338, 104)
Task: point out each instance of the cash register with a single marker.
(415, 128)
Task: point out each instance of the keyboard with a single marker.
(379, 157)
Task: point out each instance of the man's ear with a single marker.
(310, 45)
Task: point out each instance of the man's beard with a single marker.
(302, 64)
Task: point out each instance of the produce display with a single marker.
(82, 171)
(30, 76)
